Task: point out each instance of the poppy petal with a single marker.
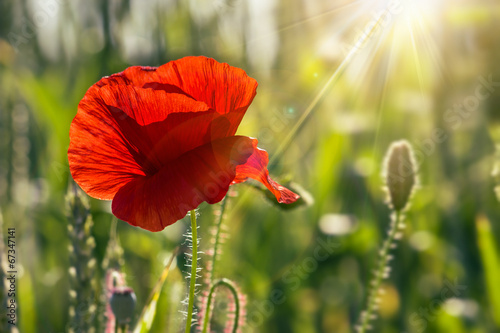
(170, 124)
(256, 168)
(100, 158)
(203, 174)
(148, 106)
(108, 145)
(226, 89)
(121, 132)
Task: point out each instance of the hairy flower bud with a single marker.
(400, 174)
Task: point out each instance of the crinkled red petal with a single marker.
(226, 89)
(170, 124)
(203, 174)
(123, 132)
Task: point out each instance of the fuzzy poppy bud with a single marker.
(400, 174)
(122, 303)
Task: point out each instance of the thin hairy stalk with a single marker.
(217, 237)
(229, 285)
(194, 262)
(112, 264)
(382, 271)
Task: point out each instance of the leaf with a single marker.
(148, 313)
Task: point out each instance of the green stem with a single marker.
(380, 274)
(217, 237)
(194, 262)
(218, 225)
(228, 284)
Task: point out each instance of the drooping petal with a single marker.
(256, 168)
(226, 89)
(203, 174)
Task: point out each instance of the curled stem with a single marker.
(194, 262)
(381, 272)
(230, 286)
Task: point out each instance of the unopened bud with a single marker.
(122, 304)
(400, 174)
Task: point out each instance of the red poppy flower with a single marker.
(160, 141)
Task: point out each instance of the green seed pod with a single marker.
(400, 174)
(122, 303)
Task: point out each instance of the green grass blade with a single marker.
(148, 313)
(491, 264)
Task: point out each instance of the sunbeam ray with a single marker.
(364, 38)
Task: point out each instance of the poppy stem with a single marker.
(194, 262)
(207, 315)
(382, 272)
(217, 237)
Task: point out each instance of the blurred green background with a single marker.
(338, 82)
